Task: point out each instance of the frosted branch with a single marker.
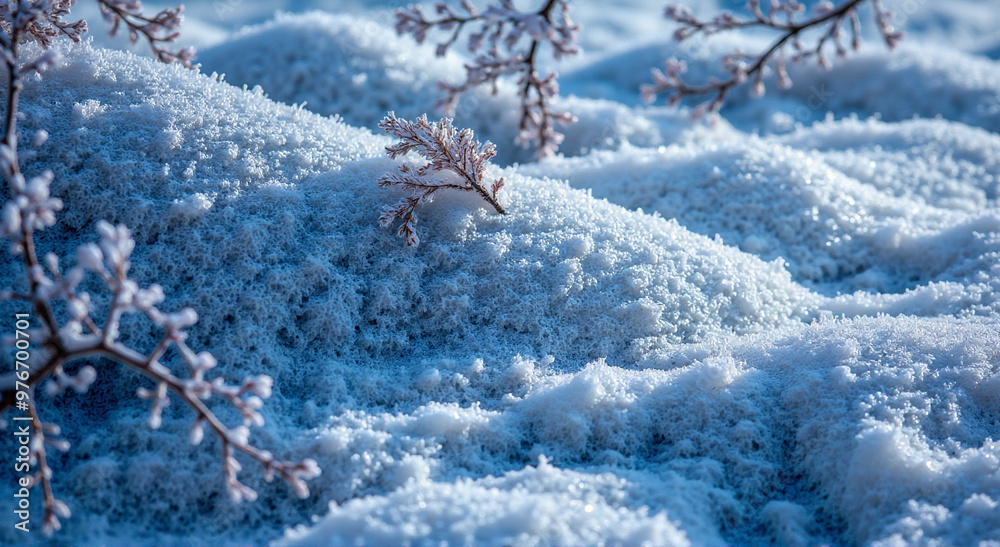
(839, 27)
(505, 41)
(455, 160)
(41, 21)
(158, 30)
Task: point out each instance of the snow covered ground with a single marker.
(783, 328)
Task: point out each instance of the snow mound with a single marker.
(915, 81)
(915, 396)
(359, 70)
(948, 165)
(280, 203)
(263, 217)
(540, 505)
(335, 64)
(838, 234)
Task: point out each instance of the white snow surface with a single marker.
(358, 69)
(783, 328)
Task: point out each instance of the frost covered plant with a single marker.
(505, 41)
(47, 24)
(69, 328)
(455, 160)
(158, 30)
(838, 26)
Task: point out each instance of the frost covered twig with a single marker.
(500, 51)
(69, 331)
(47, 25)
(834, 22)
(158, 30)
(456, 161)
(54, 508)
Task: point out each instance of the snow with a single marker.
(779, 328)
(358, 69)
(838, 233)
(538, 505)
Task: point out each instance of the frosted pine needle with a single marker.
(449, 152)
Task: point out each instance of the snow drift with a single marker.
(596, 366)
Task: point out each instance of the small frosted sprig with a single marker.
(158, 30)
(43, 435)
(455, 160)
(839, 29)
(505, 41)
(41, 21)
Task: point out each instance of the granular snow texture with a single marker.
(681, 334)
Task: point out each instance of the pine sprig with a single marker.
(455, 160)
